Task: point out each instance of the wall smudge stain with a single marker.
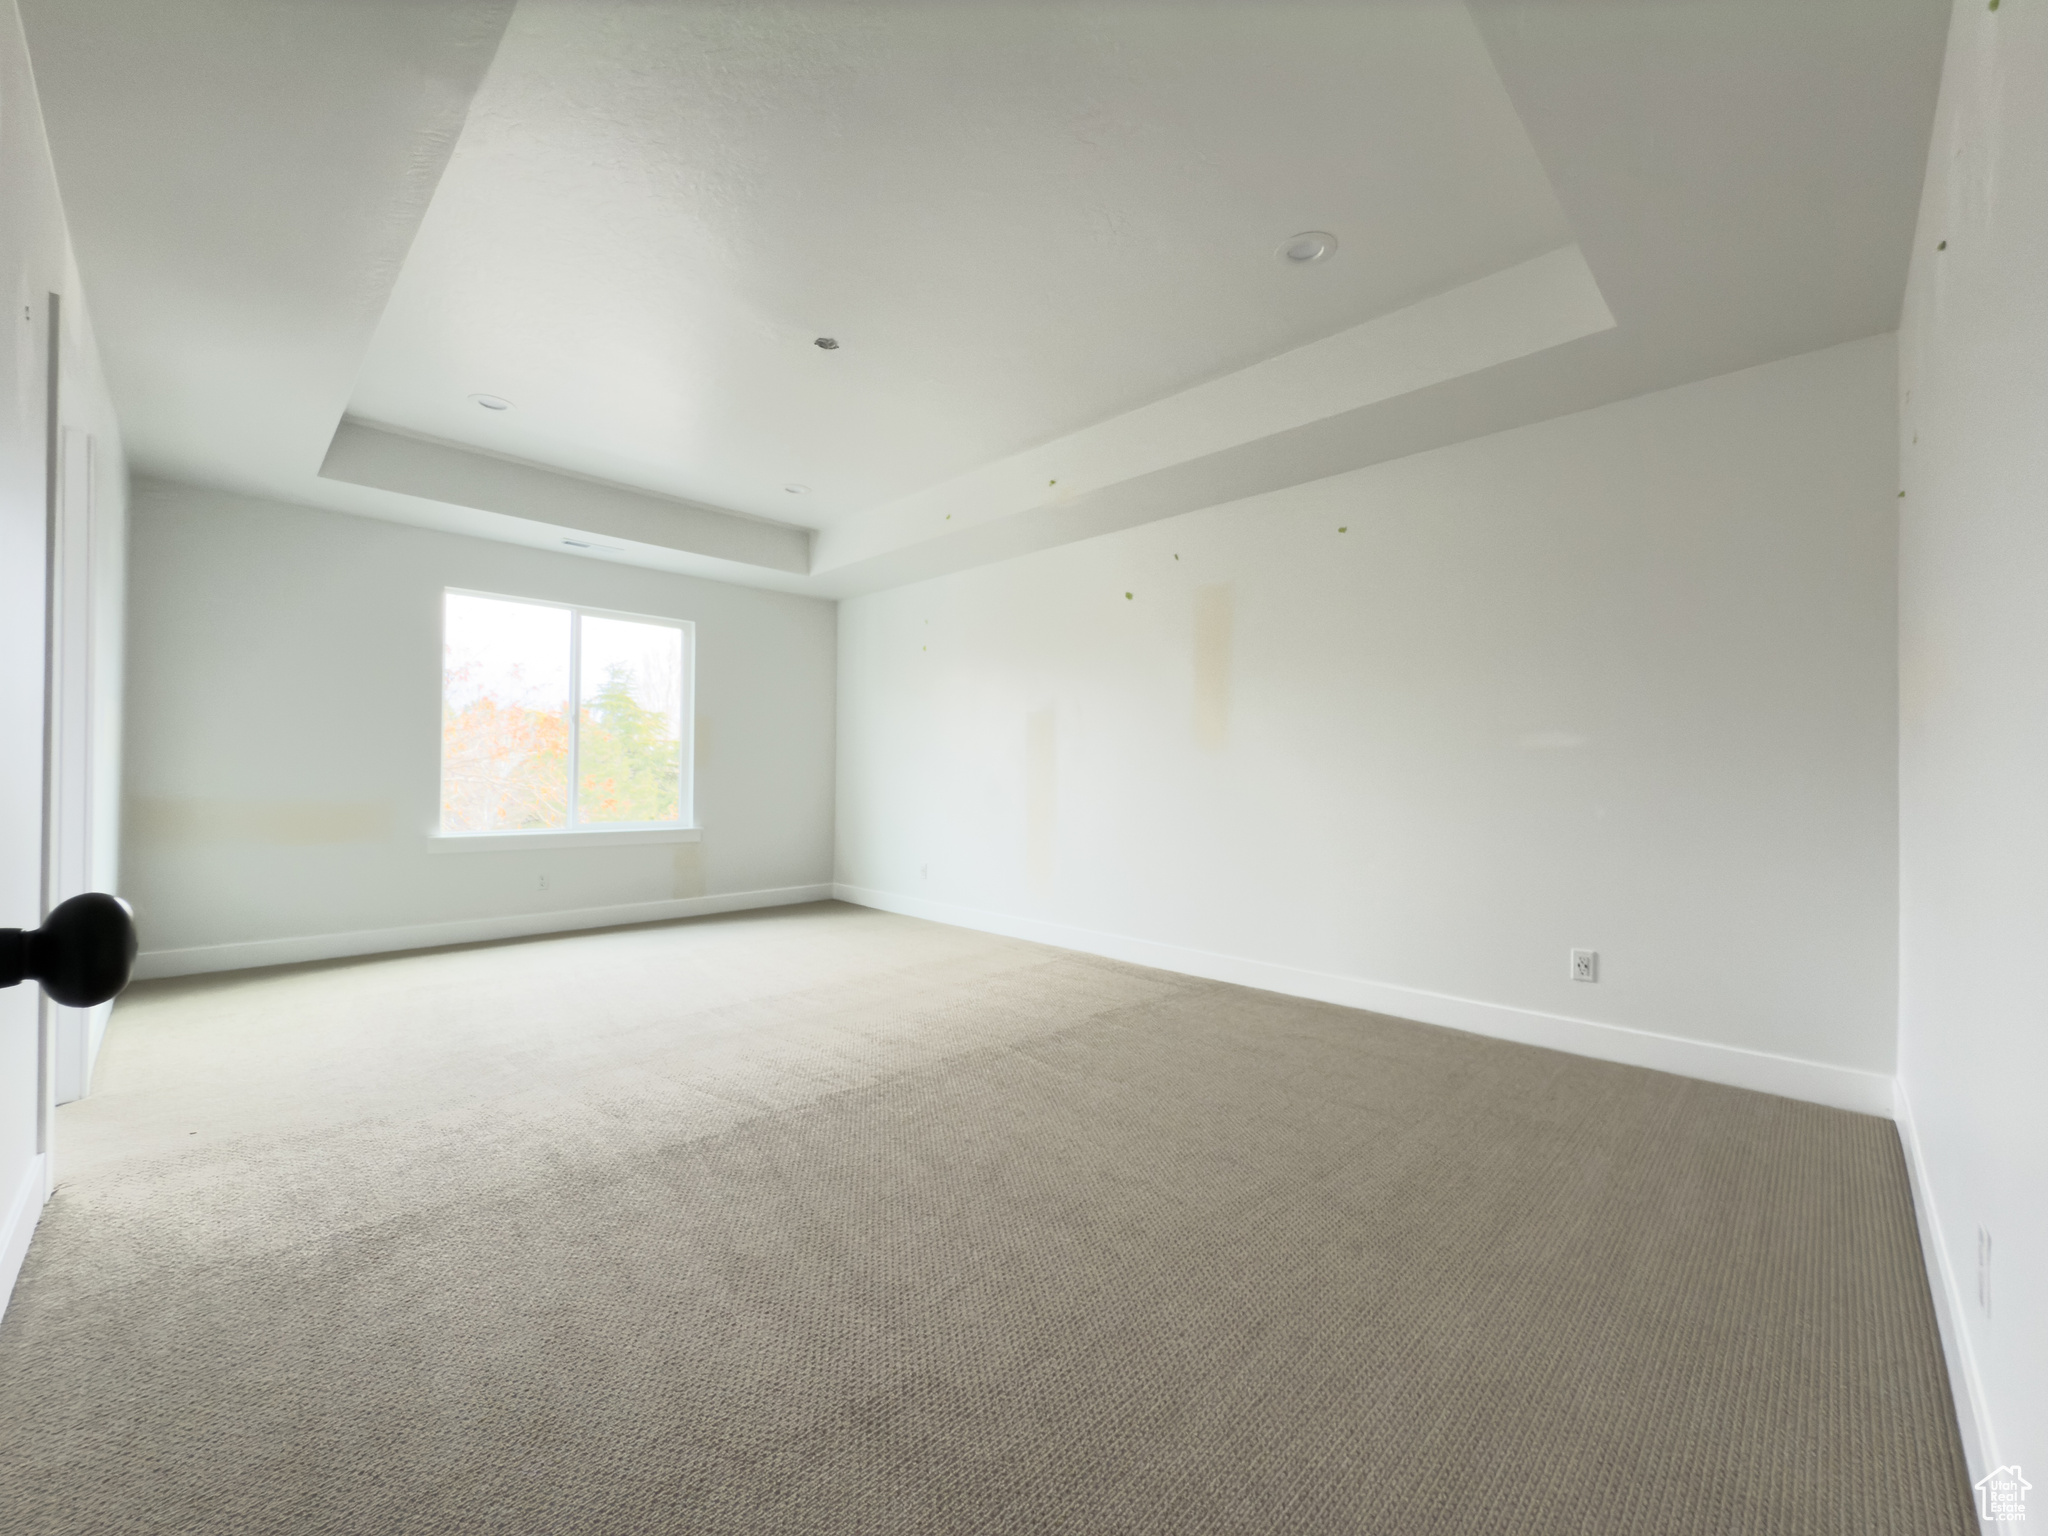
(689, 870)
(1214, 611)
(281, 823)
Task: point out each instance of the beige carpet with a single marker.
(829, 1221)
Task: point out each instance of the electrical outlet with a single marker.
(1585, 965)
(543, 882)
(1984, 1269)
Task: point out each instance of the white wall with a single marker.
(1622, 680)
(284, 740)
(35, 261)
(1973, 581)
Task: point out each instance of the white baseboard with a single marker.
(24, 1210)
(378, 941)
(1817, 1082)
(1973, 1418)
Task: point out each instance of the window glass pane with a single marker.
(628, 759)
(504, 716)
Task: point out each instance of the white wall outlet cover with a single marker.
(1585, 965)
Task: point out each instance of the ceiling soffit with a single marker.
(1046, 239)
(1022, 226)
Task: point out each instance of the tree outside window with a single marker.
(510, 743)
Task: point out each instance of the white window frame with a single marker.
(597, 834)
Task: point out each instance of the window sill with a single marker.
(559, 837)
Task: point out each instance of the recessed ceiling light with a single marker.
(492, 402)
(798, 490)
(1310, 245)
(826, 344)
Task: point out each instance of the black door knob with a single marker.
(82, 954)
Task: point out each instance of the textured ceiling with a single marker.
(1045, 236)
(1017, 221)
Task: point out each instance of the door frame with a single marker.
(71, 768)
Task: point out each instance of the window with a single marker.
(517, 758)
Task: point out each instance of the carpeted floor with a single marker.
(824, 1220)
